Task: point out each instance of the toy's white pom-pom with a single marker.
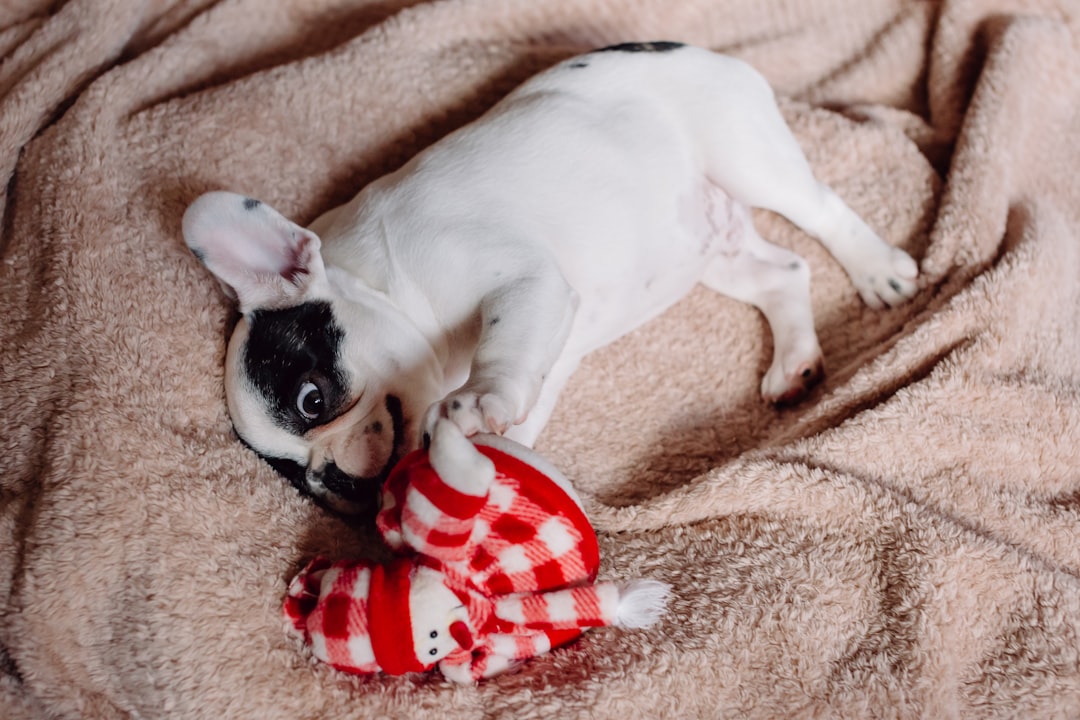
(641, 603)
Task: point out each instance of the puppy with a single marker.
(471, 282)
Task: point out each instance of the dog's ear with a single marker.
(263, 260)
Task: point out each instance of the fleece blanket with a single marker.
(905, 543)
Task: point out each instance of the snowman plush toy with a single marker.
(494, 562)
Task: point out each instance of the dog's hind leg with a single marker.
(752, 155)
(777, 282)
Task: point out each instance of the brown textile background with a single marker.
(906, 543)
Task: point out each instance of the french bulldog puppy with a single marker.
(470, 283)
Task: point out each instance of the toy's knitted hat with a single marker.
(355, 616)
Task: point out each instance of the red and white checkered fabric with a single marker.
(526, 535)
(522, 558)
(328, 604)
(583, 606)
(516, 627)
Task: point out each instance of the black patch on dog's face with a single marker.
(288, 348)
(634, 47)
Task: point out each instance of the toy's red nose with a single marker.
(460, 632)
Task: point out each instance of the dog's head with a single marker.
(324, 377)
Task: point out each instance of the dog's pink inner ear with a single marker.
(298, 269)
(261, 257)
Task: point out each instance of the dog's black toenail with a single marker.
(895, 285)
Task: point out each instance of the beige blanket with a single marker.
(905, 543)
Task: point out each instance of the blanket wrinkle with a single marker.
(53, 57)
(1023, 66)
(905, 544)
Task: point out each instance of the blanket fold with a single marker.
(905, 543)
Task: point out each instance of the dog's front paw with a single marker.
(884, 276)
(474, 410)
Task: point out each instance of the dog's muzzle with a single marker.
(355, 495)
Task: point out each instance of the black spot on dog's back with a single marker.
(286, 346)
(251, 203)
(636, 47)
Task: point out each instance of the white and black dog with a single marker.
(470, 283)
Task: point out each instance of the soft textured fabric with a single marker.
(904, 543)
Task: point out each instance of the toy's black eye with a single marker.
(434, 634)
(433, 651)
(309, 401)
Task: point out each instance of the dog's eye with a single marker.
(309, 401)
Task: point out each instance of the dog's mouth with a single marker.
(338, 491)
(355, 495)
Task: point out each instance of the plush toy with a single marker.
(494, 562)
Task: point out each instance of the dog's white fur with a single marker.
(471, 282)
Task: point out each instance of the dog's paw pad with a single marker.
(474, 412)
(780, 388)
(498, 417)
(462, 411)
